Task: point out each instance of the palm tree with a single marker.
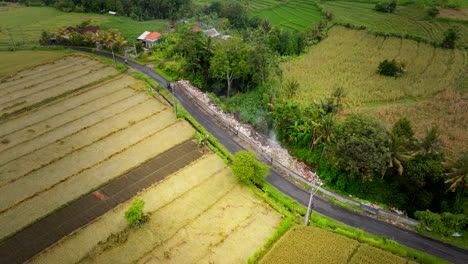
(458, 173)
(398, 154)
(430, 144)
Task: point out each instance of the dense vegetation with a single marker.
(136, 9)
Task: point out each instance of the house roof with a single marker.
(143, 36)
(89, 28)
(196, 29)
(212, 32)
(153, 36)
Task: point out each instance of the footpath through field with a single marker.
(406, 237)
(42, 234)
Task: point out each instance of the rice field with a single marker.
(292, 14)
(406, 20)
(200, 214)
(11, 62)
(23, 25)
(53, 154)
(349, 59)
(306, 244)
(49, 80)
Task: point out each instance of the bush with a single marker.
(391, 68)
(248, 169)
(433, 12)
(445, 224)
(450, 38)
(134, 214)
(386, 7)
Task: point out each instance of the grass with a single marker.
(409, 19)
(13, 61)
(461, 242)
(27, 23)
(349, 59)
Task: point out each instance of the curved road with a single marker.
(368, 224)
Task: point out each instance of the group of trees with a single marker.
(386, 7)
(360, 156)
(137, 9)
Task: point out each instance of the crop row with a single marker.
(45, 82)
(86, 180)
(406, 20)
(62, 106)
(157, 197)
(84, 137)
(62, 124)
(356, 55)
(71, 84)
(72, 165)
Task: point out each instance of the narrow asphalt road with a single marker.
(368, 224)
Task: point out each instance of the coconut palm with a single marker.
(398, 153)
(458, 173)
(430, 144)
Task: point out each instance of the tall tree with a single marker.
(229, 61)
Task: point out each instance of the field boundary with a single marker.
(24, 244)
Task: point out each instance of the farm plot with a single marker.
(201, 214)
(406, 20)
(62, 150)
(349, 59)
(13, 61)
(306, 244)
(50, 80)
(293, 14)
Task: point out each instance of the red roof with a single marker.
(153, 36)
(195, 29)
(90, 28)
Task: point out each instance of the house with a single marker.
(212, 32)
(225, 37)
(149, 38)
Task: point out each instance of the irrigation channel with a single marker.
(374, 226)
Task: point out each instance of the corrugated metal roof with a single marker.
(143, 36)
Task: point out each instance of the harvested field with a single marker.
(50, 80)
(307, 244)
(462, 13)
(55, 153)
(196, 215)
(13, 61)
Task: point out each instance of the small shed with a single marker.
(196, 29)
(212, 32)
(112, 13)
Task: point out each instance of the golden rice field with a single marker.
(425, 93)
(306, 244)
(200, 214)
(53, 154)
(11, 62)
(49, 80)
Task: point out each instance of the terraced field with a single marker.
(201, 214)
(292, 14)
(49, 80)
(405, 20)
(349, 59)
(305, 244)
(53, 154)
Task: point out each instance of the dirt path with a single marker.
(42, 234)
